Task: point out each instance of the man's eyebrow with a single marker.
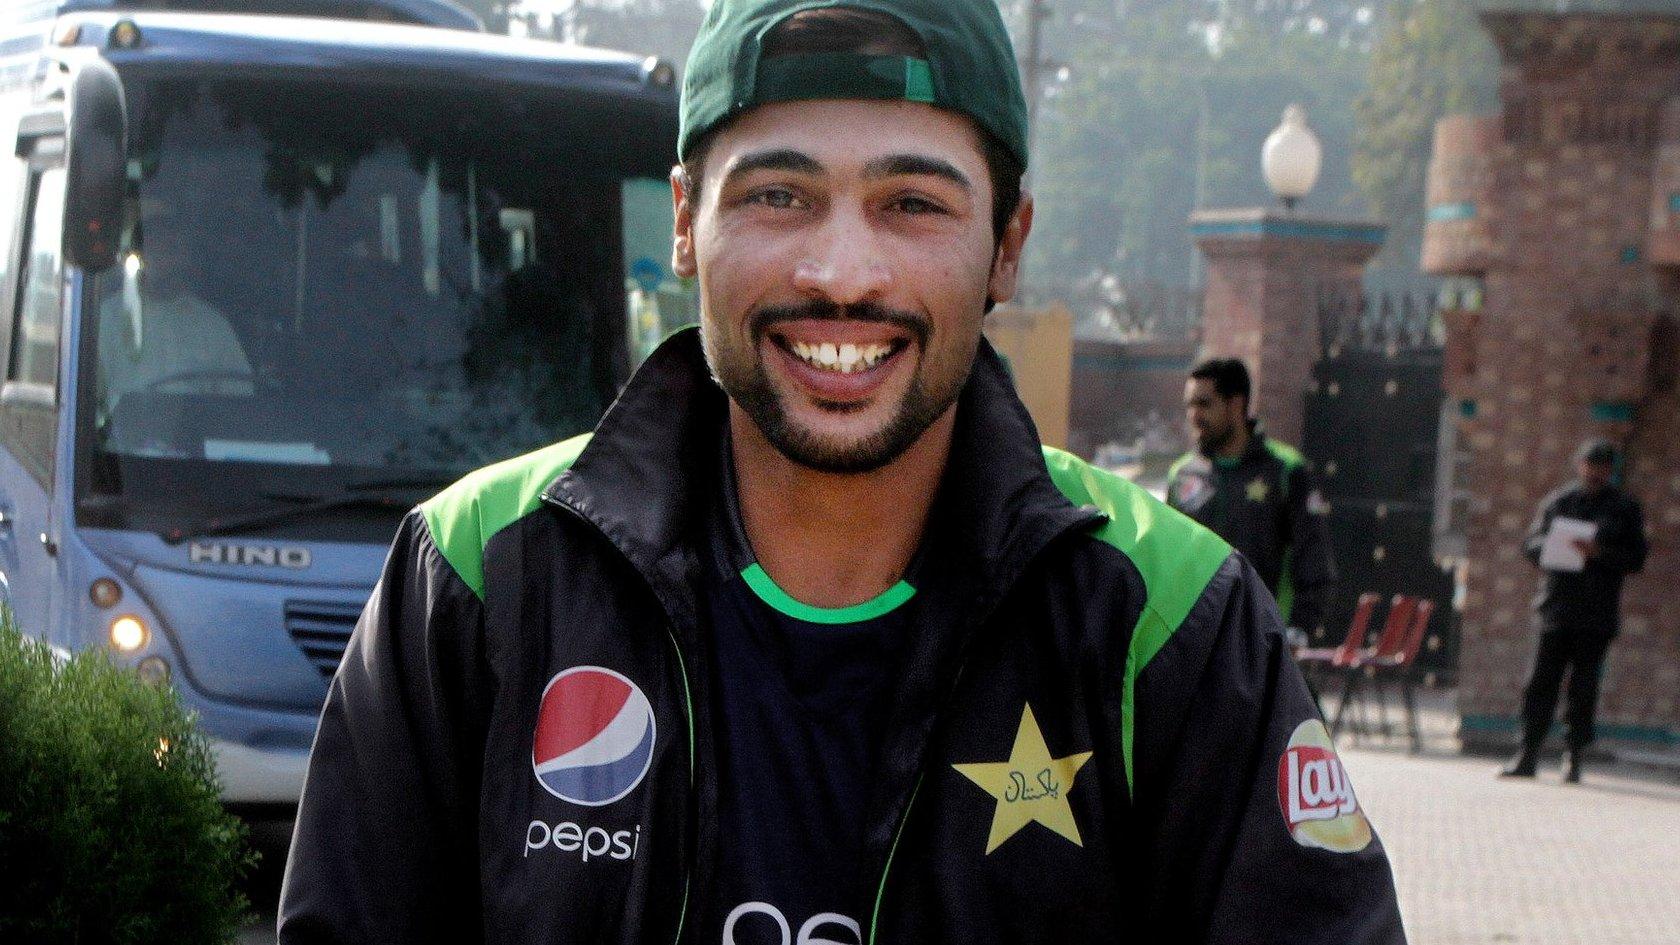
(776, 159)
(895, 165)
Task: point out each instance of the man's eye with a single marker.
(776, 199)
(917, 205)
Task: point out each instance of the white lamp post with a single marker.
(1290, 157)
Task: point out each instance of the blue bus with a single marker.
(274, 271)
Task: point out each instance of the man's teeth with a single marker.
(846, 358)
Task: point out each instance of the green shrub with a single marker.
(110, 826)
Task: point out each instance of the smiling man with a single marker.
(811, 641)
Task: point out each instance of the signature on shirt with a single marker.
(1020, 790)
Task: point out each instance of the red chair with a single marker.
(1402, 668)
(1391, 643)
(1316, 661)
(1343, 655)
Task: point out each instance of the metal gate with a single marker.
(1373, 413)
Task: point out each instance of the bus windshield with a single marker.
(324, 287)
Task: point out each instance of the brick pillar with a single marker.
(1566, 205)
(1265, 271)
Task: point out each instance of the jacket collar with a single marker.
(1255, 450)
(647, 475)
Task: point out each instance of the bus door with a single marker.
(33, 183)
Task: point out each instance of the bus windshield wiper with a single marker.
(376, 493)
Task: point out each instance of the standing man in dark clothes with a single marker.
(1254, 492)
(1578, 609)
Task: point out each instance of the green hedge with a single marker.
(110, 826)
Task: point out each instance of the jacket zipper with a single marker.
(688, 696)
(881, 891)
(688, 708)
(904, 820)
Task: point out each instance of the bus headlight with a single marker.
(153, 670)
(105, 593)
(128, 633)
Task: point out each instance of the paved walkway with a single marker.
(1482, 860)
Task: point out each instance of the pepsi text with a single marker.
(571, 837)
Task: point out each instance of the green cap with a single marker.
(970, 66)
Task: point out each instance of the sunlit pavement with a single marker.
(1478, 860)
(1531, 862)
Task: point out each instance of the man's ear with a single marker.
(1006, 262)
(682, 235)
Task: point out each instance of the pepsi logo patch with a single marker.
(594, 738)
(1316, 796)
(1191, 491)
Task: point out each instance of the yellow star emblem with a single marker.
(1031, 785)
(1257, 491)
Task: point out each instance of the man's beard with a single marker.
(745, 379)
(1212, 442)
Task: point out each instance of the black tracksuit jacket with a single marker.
(1589, 601)
(1267, 505)
(1209, 809)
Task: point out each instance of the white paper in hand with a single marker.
(1559, 552)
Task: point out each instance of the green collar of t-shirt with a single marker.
(781, 601)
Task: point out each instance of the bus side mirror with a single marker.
(96, 166)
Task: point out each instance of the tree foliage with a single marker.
(1152, 108)
(110, 826)
(1433, 60)
(495, 13)
(663, 28)
(1163, 108)
(1149, 109)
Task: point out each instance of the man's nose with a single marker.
(843, 262)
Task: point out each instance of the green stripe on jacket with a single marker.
(1176, 557)
(464, 517)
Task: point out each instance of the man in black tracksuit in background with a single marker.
(1578, 610)
(1254, 492)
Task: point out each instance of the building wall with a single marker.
(1125, 390)
(1038, 346)
(1571, 341)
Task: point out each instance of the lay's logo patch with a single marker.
(1316, 796)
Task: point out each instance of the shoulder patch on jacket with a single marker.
(1175, 556)
(463, 517)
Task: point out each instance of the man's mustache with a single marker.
(911, 323)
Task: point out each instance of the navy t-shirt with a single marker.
(800, 698)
